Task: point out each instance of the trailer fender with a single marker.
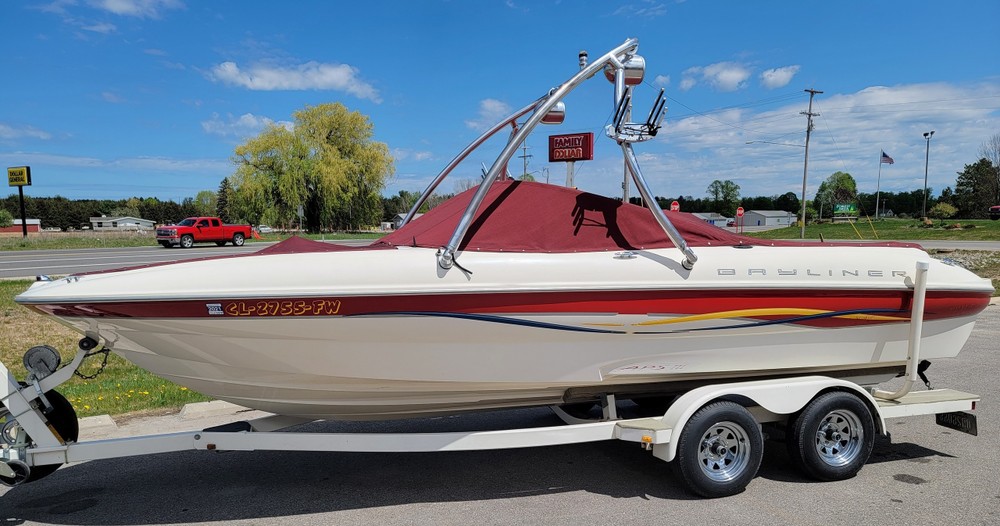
(775, 397)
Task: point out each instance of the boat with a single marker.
(518, 293)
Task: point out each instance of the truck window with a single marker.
(203, 222)
(215, 222)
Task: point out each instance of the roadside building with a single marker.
(120, 223)
(34, 228)
(712, 218)
(768, 218)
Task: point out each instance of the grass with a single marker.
(72, 240)
(120, 388)
(898, 229)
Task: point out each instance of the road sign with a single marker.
(739, 212)
(19, 176)
(675, 206)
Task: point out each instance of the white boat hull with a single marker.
(528, 347)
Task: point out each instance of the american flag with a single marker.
(886, 159)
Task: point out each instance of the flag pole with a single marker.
(878, 183)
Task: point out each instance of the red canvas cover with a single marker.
(524, 216)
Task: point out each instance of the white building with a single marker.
(769, 218)
(711, 218)
(120, 223)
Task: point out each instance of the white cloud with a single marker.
(490, 112)
(10, 132)
(308, 76)
(722, 76)
(104, 28)
(245, 125)
(112, 97)
(849, 133)
(662, 80)
(405, 154)
(645, 8)
(137, 8)
(778, 77)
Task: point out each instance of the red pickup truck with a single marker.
(201, 230)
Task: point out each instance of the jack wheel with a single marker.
(63, 419)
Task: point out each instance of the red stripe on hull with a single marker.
(939, 304)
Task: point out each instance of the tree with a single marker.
(725, 196)
(6, 219)
(789, 202)
(222, 200)
(839, 188)
(329, 165)
(942, 211)
(990, 151)
(206, 202)
(973, 190)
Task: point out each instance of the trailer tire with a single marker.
(63, 419)
(719, 450)
(220, 243)
(832, 437)
(238, 239)
(187, 241)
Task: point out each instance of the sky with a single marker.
(109, 99)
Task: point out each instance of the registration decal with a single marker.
(277, 308)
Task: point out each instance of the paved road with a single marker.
(926, 475)
(30, 263)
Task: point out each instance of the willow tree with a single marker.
(327, 164)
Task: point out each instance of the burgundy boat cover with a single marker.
(524, 216)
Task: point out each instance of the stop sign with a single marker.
(675, 206)
(739, 212)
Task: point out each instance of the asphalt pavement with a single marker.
(925, 474)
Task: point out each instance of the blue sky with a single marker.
(120, 98)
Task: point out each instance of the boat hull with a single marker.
(390, 335)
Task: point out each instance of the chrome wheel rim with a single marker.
(839, 437)
(724, 452)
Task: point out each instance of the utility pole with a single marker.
(805, 167)
(525, 155)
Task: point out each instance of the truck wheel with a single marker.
(62, 418)
(238, 239)
(187, 241)
(832, 438)
(719, 450)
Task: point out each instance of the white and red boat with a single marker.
(516, 294)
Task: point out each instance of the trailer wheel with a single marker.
(220, 243)
(719, 450)
(187, 241)
(62, 418)
(832, 438)
(238, 239)
(165, 244)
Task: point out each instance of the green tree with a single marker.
(206, 202)
(942, 211)
(222, 200)
(725, 196)
(6, 219)
(974, 190)
(839, 188)
(329, 165)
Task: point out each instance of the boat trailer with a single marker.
(713, 435)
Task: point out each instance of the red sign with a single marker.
(571, 147)
(739, 212)
(675, 206)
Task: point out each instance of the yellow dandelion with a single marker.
(86, 407)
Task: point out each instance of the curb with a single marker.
(97, 425)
